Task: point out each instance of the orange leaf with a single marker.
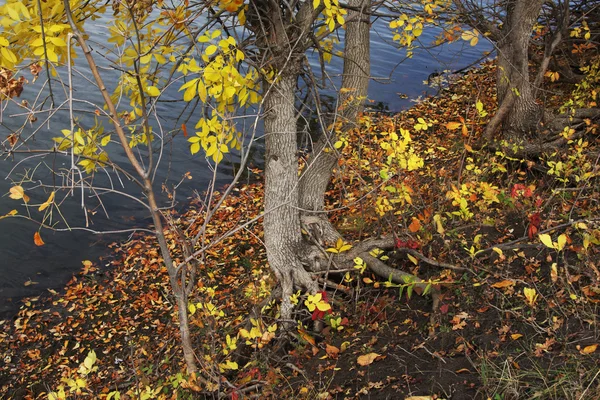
(37, 239)
(414, 226)
(516, 336)
(589, 349)
(367, 359)
(465, 130)
(453, 125)
(503, 284)
(332, 351)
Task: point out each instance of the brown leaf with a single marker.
(12, 139)
(367, 359)
(37, 239)
(332, 351)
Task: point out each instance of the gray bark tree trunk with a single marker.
(513, 83)
(283, 237)
(355, 83)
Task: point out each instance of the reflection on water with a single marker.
(51, 265)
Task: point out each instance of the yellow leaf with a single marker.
(561, 241)
(437, 218)
(47, 202)
(589, 349)
(530, 296)
(367, 359)
(546, 240)
(412, 259)
(17, 192)
(152, 91)
(12, 13)
(210, 50)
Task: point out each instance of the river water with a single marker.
(29, 270)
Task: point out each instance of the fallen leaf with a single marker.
(332, 351)
(37, 239)
(503, 284)
(546, 240)
(367, 359)
(589, 349)
(17, 192)
(453, 125)
(516, 336)
(530, 296)
(553, 272)
(415, 225)
(47, 203)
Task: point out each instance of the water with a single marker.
(29, 270)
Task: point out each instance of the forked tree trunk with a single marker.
(282, 218)
(355, 83)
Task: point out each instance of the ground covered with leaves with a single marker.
(512, 245)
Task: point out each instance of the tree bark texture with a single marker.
(282, 218)
(355, 83)
(526, 114)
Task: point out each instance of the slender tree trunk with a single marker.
(525, 114)
(144, 175)
(355, 83)
(282, 220)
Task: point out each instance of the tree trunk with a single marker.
(282, 220)
(524, 116)
(355, 83)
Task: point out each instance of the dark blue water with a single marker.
(29, 270)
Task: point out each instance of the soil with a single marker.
(517, 319)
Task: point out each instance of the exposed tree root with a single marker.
(551, 139)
